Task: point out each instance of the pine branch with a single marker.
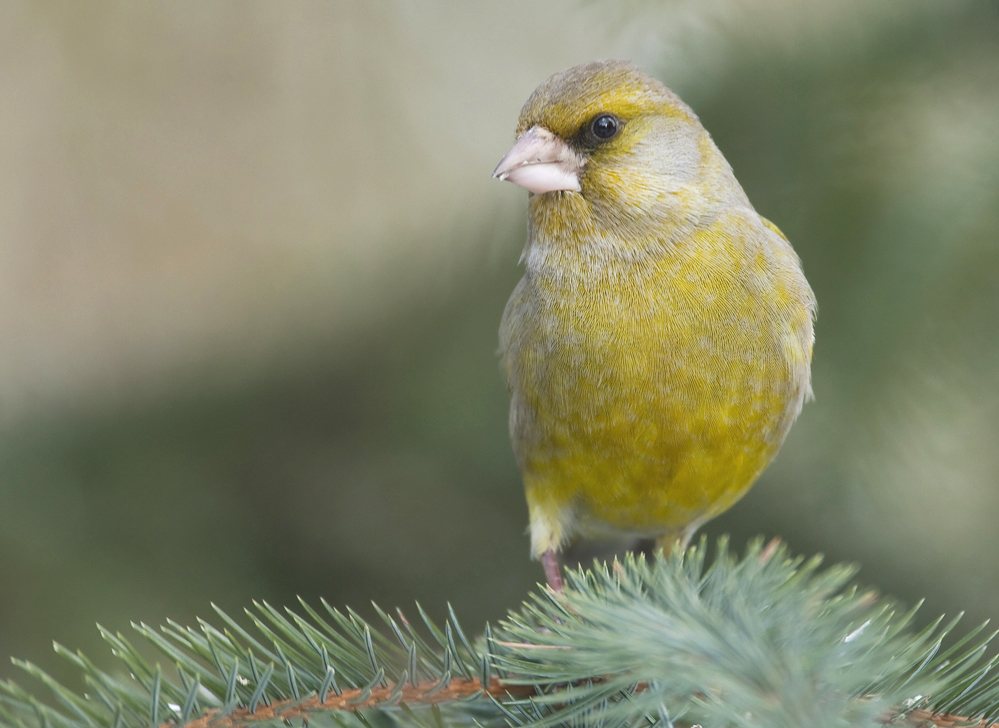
(765, 640)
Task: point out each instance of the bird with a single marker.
(658, 348)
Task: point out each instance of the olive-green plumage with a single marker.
(658, 347)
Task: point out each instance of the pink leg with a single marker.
(549, 560)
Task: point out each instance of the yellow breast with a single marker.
(649, 391)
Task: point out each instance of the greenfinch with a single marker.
(658, 347)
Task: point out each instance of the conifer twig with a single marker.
(423, 693)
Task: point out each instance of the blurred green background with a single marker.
(252, 267)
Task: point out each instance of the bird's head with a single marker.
(608, 150)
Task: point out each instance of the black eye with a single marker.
(605, 127)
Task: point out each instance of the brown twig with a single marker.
(424, 693)
(945, 720)
(429, 693)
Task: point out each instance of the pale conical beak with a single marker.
(540, 162)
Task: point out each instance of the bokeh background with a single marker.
(252, 267)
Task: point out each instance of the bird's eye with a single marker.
(605, 126)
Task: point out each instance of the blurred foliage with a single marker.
(253, 267)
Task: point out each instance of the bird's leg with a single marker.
(549, 560)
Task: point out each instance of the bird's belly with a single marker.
(647, 435)
(646, 466)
